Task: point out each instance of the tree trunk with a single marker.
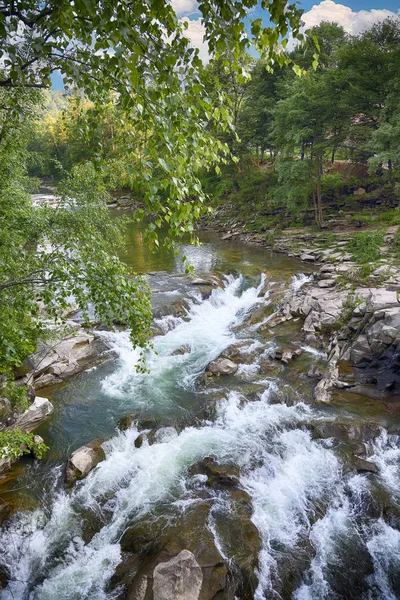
(319, 200)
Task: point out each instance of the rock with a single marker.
(222, 366)
(139, 440)
(346, 432)
(365, 466)
(47, 380)
(327, 269)
(218, 474)
(180, 578)
(34, 416)
(84, 459)
(70, 355)
(162, 435)
(286, 354)
(360, 349)
(326, 283)
(314, 373)
(359, 192)
(307, 257)
(185, 349)
(126, 422)
(237, 352)
(206, 281)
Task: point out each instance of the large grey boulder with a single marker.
(84, 459)
(178, 579)
(51, 364)
(35, 415)
(222, 366)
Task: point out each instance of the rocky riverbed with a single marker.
(249, 463)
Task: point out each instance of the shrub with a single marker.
(365, 246)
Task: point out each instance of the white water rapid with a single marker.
(310, 515)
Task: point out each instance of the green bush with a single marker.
(14, 444)
(365, 246)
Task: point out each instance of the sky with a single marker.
(354, 15)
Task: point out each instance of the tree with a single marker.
(311, 120)
(138, 51)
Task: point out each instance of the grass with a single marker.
(365, 246)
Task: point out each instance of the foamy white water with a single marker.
(298, 491)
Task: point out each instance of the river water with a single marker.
(324, 530)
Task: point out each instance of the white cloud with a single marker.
(184, 7)
(351, 21)
(195, 33)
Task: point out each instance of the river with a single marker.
(289, 516)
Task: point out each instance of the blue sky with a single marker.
(354, 16)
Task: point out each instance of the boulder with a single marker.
(327, 283)
(84, 459)
(180, 578)
(49, 365)
(365, 466)
(162, 435)
(211, 280)
(238, 352)
(35, 415)
(46, 380)
(359, 191)
(218, 474)
(307, 257)
(286, 354)
(346, 432)
(222, 366)
(185, 349)
(145, 423)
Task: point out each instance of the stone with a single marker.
(145, 423)
(365, 466)
(185, 349)
(162, 435)
(307, 257)
(46, 380)
(35, 415)
(326, 283)
(237, 352)
(206, 281)
(84, 459)
(180, 578)
(222, 366)
(218, 474)
(286, 354)
(346, 432)
(327, 269)
(314, 373)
